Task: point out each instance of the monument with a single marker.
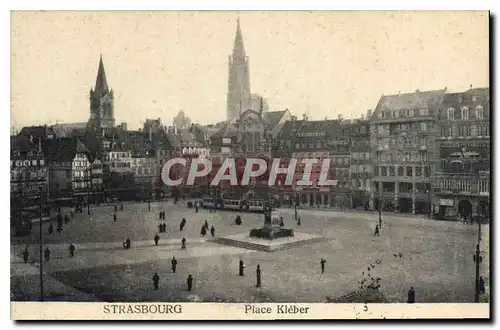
(273, 226)
(272, 236)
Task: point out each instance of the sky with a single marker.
(324, 64)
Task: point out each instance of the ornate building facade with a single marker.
(404, 150)
(462, 179)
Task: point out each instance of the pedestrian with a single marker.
(71, 250)
(380, 223)
(411, 296)
(116, 208)
(259, 274)
(51, 229)
(323, 261)
(164, 227)
(174, 264)
(482, 286)
(377, 232)
(282, 223)
(206, 225)
(196, 207)
(156, 280)
(298, 221)
(47, 254)
(190, 282)
(159, 215)
(241, 268)
(203, 231)
(183, 243)
(26, 255)
(114, 217)
(212, 231)
(157, 238)
(183, 223)
(126, 244)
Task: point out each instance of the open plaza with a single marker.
(434, 257)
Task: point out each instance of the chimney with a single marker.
(340, 117)
(417, 90)
(368, 113)
(470, 86)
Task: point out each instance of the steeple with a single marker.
(101, 83)
(238, 94)
(238, 47)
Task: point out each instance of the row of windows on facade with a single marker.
(465, 113)
(361, 169)
(28, 175)
(145, 171)
(403, 113)
(402, 187)
(462, 185)
(391, 171)
(334, 160)
(386, 143)
(26, 163)
(86, 173)
(360, 155)
(466, 130)
(391, 157)
(321, 144)
(392, 129)
(359, 184)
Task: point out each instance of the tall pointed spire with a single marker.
(238, 48)
(101, 84)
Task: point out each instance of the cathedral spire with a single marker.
(101, 84)
(238, 48)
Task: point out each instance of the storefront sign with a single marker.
(446, 202)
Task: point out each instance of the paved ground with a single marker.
(436, 258)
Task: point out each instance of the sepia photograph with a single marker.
(273, 164)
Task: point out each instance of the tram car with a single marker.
(232, 204)
(208, 202)
(255, 205)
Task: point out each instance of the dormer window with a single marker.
(451, 114)
(479, 112)
(465, 113)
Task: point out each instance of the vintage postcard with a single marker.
(250, 165)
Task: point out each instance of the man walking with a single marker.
(156, 280)
(174, 264)
(157, 238)
(411, 296)
(323, 261)
(189, 282)
(241, 268)
(71, 250)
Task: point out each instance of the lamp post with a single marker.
(429, 191)
(41, 244)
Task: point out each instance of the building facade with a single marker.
(361, 170)
(462, 180)
(404, 150)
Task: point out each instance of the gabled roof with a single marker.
(60, 149)
(37, 131)
(416, 100)
(272, 118)
(65, 130)
(330, 127)
(23, 143)
(287, 131)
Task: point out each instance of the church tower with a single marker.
(102, 113)
(238, 92)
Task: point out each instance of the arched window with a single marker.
(479, 112)
(465, 113)
(451, 114)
